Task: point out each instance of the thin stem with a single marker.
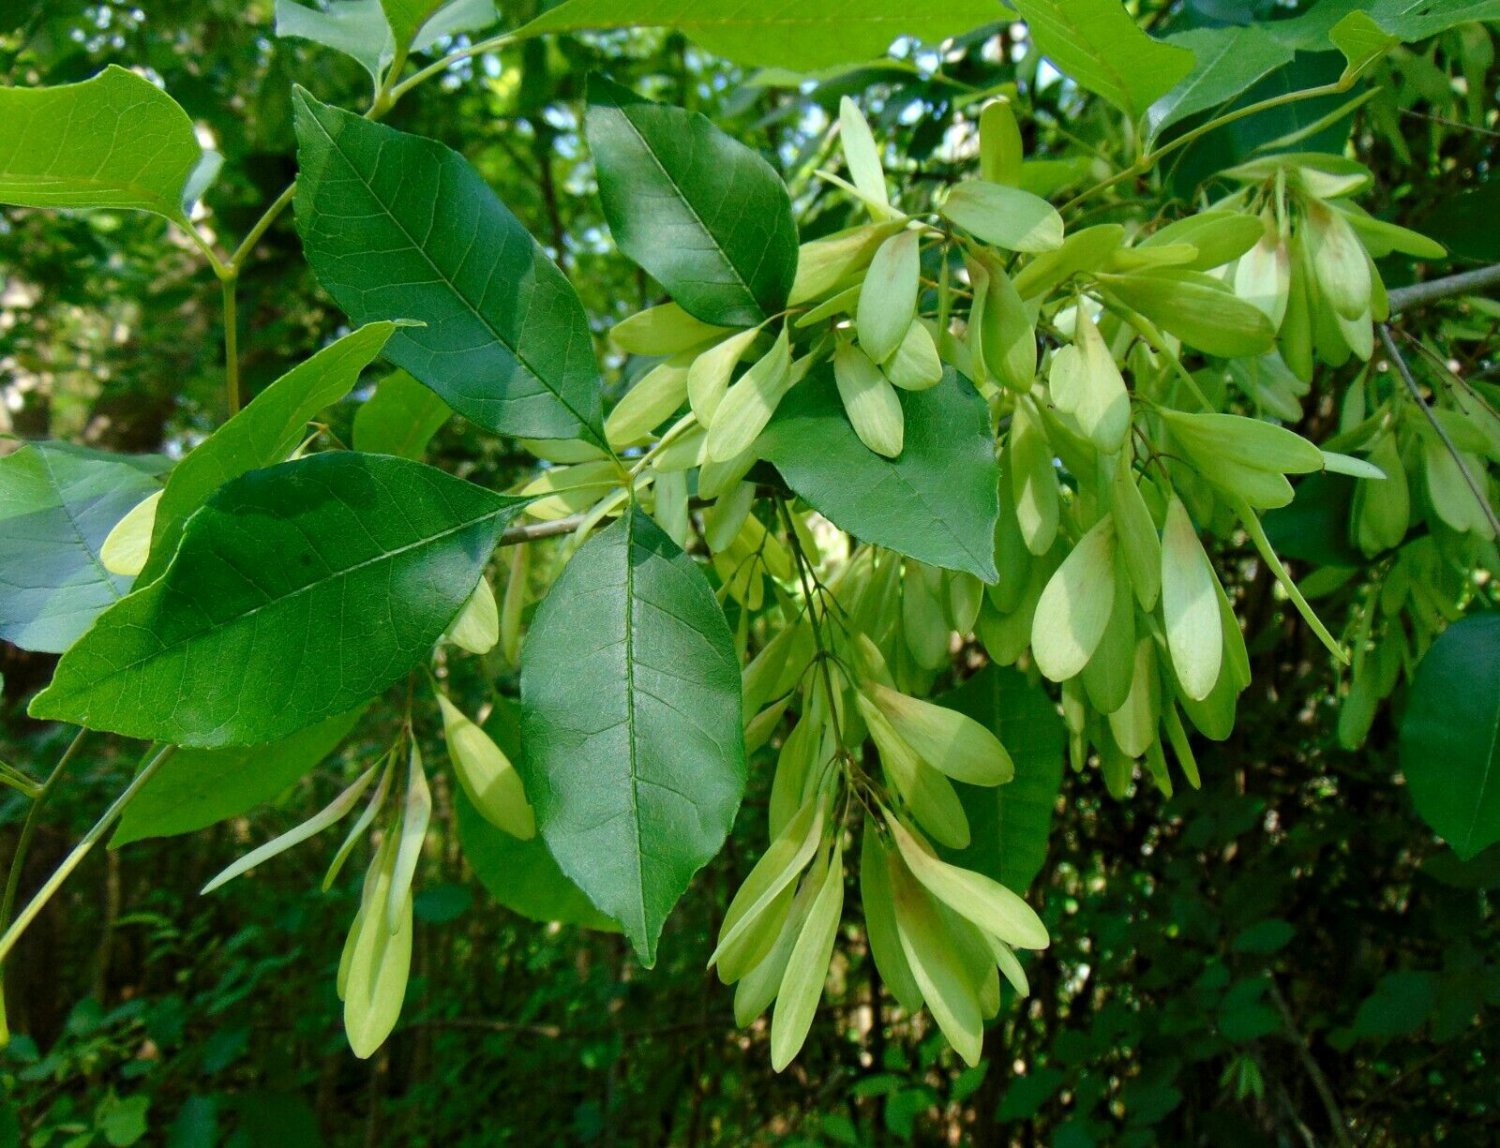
(33, 819)
(1150, 159)
(220, 268)
(1320, 1084)
(1394, 355)
(231, 344)
(1436, 362)
(437, 67)
(1464, 283)
(804, 573)
(262, 225)
(39, 900)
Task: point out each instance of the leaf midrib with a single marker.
(345, 572)
(692, 208)
(634, 759)
(105, 577)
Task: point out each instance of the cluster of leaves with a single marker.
(960, 418)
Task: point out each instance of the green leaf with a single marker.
(357, 28)
(523, 875)
(195, 788)
(1264, 937)
(633, 755)
(704, 214)
(116, 140)
(449, 19)
(123, 1123)
(400, 418)
(1450, 735)
(400, 227)
(1409, 20)
(264, 433)
(1199, 309)
(1468, 223)
(1226, 62)
(1099, 44)
(297, 593)
(1009, 824)
(1362, 41)
(58, 503)
(1005, 216)
(801, 35)
(935, 502)
(406, 17)
(1399, 1006)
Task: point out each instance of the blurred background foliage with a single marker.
(1259, 962)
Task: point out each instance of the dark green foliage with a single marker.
(935, 502)
(631, 721)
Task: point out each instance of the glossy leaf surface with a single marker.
(298, 592)
(704, 214)
(400, 227)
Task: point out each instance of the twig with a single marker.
(1447, 123)
(28, 830)
(1394, 355)
(532, 531)
(1464, 283)
(81, 850)
(1314, 1073)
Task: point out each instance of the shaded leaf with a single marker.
(936, 502)
(195, 788)
(1009, 824)
(1450, 735)
(400, 418)
(1099, 44)
(58, 504)
(632, 749)
(1226, 62)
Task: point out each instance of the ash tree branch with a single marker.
(1394, 355)
(1464, 283)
